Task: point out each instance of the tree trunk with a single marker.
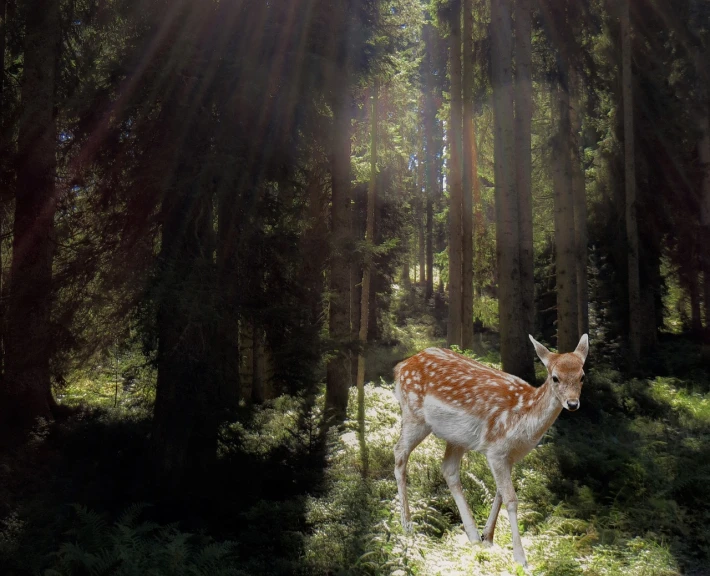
(227, 349)
(523, 158)
(515, 347)
(421, 243)
(26, 389)
(3, 191)
(258, 386)
(338, 368)
(455, 181)
(431, 157)
(366, 281)
(704, 155)
(566, 261)
(187, 403)
(467, 181)
(630, 187)
(580, 202)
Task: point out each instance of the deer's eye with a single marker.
(582, 378)
(555, 379)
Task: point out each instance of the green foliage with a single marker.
(132, 548)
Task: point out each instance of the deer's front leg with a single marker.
(501, 469)
(451, 467)
(490, 528)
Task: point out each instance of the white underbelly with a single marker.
(454, 424)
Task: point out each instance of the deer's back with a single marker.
(463, 401)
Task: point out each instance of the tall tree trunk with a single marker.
(467, 181)
(366, 281)
(455, 180)
(566, 261)
(338, 368)
(431, 156)
(579, 195)
(704, 154)
(258, 386)
(3, 190)
(187, 403)
(421, 242)
(523, 156)
(26, 389)
(226, 346)
(515, 348)
(630, 187)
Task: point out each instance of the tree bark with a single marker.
(630, 188)
(3, 190)
(523, 156)
(580, 202)
(455, 181)
(566, 257)
(704, 155)
(338, 368)
(187, 403)
(467, 181)
(26, 389)
(258, 385)
(515, 348)
(431, 157)
(366, 281)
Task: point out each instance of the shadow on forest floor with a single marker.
(78, 476)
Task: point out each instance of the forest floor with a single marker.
(619, 487)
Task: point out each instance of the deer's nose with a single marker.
(572, 405)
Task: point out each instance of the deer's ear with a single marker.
(542, 352)
(583, 347)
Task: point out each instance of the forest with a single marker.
(224, 222)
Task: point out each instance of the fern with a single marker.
(130, 548)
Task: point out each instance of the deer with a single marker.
(474, 407)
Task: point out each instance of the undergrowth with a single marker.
(618, 487)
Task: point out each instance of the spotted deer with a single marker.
(474, 407)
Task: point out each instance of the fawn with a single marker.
(474, 407)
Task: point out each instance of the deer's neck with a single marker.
(544, 411)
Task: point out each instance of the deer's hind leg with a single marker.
(451, 468)
(413, 432)
(490, 528)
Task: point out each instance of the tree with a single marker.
(523, 157)
(514, 351)
(630, 188)
(366, 279)
(467, 181)
(579, 197)
(26, 387)
(186, 418)
(454, 138)
(704, 154)
(565, 251)
(430, 42)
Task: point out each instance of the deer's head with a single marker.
(565, 372)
